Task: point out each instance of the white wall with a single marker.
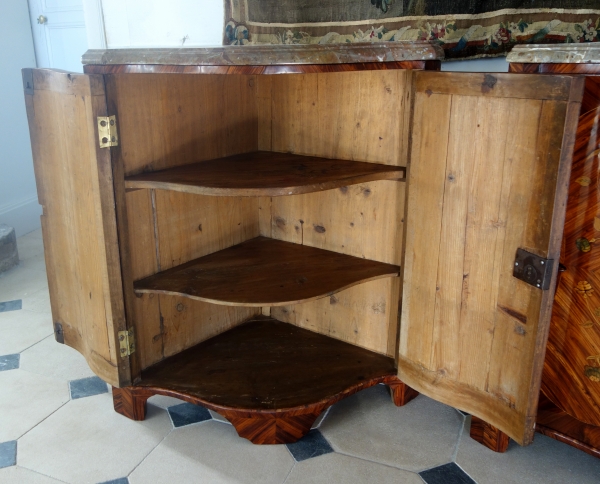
(162, 23)
(18, 197)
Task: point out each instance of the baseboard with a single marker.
(23, 215)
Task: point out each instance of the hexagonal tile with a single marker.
(20, 475)
(56, 360)
(22, 329)
(420, 435)
(87, 439)
(545, 461)
(213, 452)
(26, 399)
(337, 468)
(21, 283)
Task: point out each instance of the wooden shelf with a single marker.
(265, 272)
(265, 364)
(264, 173)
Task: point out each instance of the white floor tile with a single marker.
(20, 475)
(337, 468)
(56, 360)
(26, 399)
(86, 441)
(212, 452)
(546, 461)
(368, 425)
(21, 282)
(23, 328)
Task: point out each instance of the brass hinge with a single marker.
(107, 131)
(126, 342)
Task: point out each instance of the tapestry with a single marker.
(463, 28)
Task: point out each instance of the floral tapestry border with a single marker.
(461, 36)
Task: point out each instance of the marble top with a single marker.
(587, 53)
(269, 54)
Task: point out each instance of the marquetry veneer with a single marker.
(569, 408)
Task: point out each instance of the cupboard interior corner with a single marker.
(430, 244)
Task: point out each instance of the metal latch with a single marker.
(59, 334)
(126, 342)
(107, 131)
(533, 269)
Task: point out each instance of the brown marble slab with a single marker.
(588, 53)
(260, 55)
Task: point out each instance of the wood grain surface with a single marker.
(571, 378)
(265, 364)
(265, 272)
(434, 65)
(588, 69)
(271, 380)
(487, 176)
(557, 424)
(488, 435)
(75, 188)
(264, 173)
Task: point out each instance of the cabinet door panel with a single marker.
(75, 188)
(490, 162)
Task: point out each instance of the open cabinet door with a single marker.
(489, 171)
(75, 187)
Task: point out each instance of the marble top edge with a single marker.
(588, 53)
(269, 54)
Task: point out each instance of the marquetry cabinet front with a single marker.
(267, 244)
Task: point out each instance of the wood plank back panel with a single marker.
(364, 220)
(339, 115)
(75, 188)
(487, 176)
(167, 120)
(181, 227)
(365, 315)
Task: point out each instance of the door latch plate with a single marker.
(533, 269)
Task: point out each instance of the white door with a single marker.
(58, 33)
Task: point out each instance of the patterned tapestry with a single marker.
(463, 28)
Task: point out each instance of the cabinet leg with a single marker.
(488, 435)
(283, 428)
(401, 392)
(130, 403)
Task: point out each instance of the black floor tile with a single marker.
(311, 445)
(187, 413)
(9, 362)
(8, 454)
(446, 474)
(11, 305)
(120, 480)
(86, 387)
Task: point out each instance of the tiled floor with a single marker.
(57, 424)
